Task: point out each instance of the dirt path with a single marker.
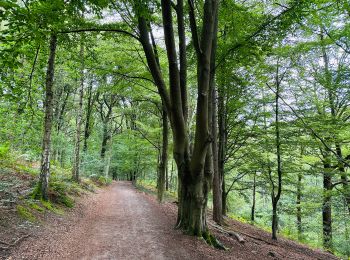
(121, 222)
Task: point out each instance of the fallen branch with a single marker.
(260, 239)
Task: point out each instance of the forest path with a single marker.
(121, 222)
(124, 225)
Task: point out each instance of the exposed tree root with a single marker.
(239, 238)
(213, 241)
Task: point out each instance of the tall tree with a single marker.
(48, 106)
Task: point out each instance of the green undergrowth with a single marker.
(25, 213)
(19, 179)
(150, 187)
(283, 233)
(100, 180)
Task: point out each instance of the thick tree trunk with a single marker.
(164, 157)
(327, 206)
(193, 203)
(194, 182)
(299, 223)
(76, 159)
(46, 146)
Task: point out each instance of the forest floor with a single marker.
(121, 222)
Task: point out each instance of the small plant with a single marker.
(25, 213)
(35, 206)
(4, 150)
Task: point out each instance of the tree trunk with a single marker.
(89, 105)
(76, 159)
(217, 180)
(274, 219)
(327, 205)
(46, 146)
(299, 224)
(252, 216)
(105, 138)
(107, 164)
(276, 198)
(166, 178)
(164, 157)
(222, 147)
(224, 198)
(194, 182)
(343, 176)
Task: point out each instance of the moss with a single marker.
(36, 194)
(212, 240)
(35, 206)
(66, 200)
(25, 213)
(47, 205)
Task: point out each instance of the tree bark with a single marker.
(46, 146)
(222, 146)
(224, 199)
(343, 177)
(299, 223)
(105, 138)
(252, 216)
(275, 198)
(161, 181)
(76, 159)
(217, 180)
(89, 106)
(327, 205)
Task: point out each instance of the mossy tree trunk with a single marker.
(48, 107)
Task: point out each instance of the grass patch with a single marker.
(35, 206)
(150, 188)
(25, 213)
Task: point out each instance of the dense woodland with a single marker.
(240, 107)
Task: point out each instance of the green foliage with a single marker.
(34, 205)
(25, 213)
(59, 193)
(4, 151)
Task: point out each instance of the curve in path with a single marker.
(118, 223)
